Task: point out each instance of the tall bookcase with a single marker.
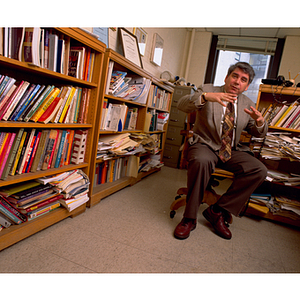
(99, 191)
(270, 97)
(33, 74)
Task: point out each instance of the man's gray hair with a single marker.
(245, 67)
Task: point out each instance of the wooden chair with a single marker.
(210, 196)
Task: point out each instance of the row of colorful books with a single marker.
(24, 101)
(159, 98)
(29, 200)
(285, 116)
(118, 117)
(31, 150)
(48, 49)
(111, 170)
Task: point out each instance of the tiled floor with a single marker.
(131, 232)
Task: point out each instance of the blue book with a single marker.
(60, 149)
(23, 106)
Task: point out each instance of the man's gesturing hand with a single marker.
(256, 115)
(221, 98)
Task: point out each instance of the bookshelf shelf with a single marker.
(10, 124)
(269, 98)
(99, 191)
(8, 63)
(16, 233)
(30, 176)
(38, 75)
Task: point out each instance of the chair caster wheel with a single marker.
(172, 214)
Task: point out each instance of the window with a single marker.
(264, 54)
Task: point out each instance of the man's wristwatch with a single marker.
(203, 96)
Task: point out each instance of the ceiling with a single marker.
(270, 32)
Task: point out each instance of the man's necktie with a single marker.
(227, 133)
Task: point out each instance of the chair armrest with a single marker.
(187, 133)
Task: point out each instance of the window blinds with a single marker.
(266, 46)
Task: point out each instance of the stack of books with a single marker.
(277, 146)
(72, 185)
(26, 201)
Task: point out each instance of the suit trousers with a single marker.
(248, 171)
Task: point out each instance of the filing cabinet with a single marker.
(177, 122)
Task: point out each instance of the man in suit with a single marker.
(210, 103)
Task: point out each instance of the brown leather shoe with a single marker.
(183, 229)
(217, 220)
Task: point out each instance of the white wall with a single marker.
(199, 57)
(176, 50)
(176, 53)
(174, 41)
(291, 58)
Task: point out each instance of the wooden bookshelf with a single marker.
(33, 74)
(99, 191)
(278, 95)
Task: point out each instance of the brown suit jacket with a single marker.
(209, 117)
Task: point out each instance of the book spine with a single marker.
(38, 102)
(66, 106)
(18, 154)
(39, 205)
(8, 212)
(22, 101)
(16, 100)
(33, 153)
(7, 151)
(43, 211)
(4, 221)
(45, 104)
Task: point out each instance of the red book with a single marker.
(34, 151)
(10, 100)
(5, 152)
(29, 154)
(104, 172)
(70, 145)
(49, 113)
(41, 204)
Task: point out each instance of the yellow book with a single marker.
(45, 104)
(3, 143)
(285, 115)
(63, 94)
(62, 116)
(13, 170)
(263, 209)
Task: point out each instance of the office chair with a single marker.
(210, 195)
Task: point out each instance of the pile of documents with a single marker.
(277, 145)
(285, 207)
